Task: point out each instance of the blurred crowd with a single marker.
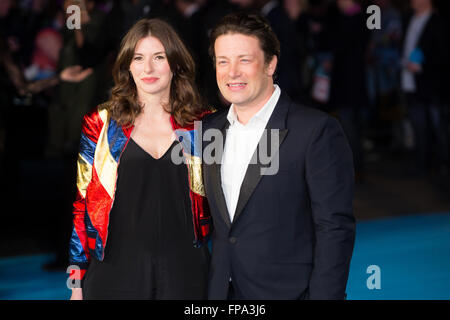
(387, 86)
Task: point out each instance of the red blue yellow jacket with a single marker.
(101, 145)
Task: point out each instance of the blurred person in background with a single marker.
(297, 10)
(384, 74)
(289, 66)
(125, 13)
(424, 60)
(213, 10)
(25, 100)
(318, 61)
(346, 39)
(19, 86)
(187, 19)
(83, 47)
(188, 23)
(37, 16)
(11, 28)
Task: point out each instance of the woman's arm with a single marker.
(78, 252)
(77, 294)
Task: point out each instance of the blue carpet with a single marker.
(23, 278)
(412, 253)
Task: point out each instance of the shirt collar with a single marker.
(263, 115)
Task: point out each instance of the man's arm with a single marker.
(330, 179)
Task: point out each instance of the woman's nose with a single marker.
(148, 67)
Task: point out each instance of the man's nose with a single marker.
(234, 70)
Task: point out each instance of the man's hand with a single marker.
(327, 65)
(414, 67)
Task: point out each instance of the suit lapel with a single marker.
(216, 180)
(253, 174)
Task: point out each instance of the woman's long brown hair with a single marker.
(185, 103)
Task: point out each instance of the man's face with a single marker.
(344, 5)
(5, 6)
(242, 3)
(243, 77)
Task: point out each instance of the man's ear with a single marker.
(272, 66)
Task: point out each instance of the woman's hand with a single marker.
(77, 294)
(74, 74)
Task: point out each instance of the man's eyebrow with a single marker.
(239, 56)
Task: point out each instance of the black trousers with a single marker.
(430, 134)
(231, 292)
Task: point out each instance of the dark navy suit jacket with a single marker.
(293, 232)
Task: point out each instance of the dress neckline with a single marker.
(147, 153)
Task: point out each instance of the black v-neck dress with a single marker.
(149, 252)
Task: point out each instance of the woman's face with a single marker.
(150, 68)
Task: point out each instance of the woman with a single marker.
(134, 233)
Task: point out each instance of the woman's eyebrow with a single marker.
(160, 52)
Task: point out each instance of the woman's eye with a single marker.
(137, 58)
(159, 57)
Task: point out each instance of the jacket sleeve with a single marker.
(330, 179)
(78, 247)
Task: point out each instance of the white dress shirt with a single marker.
(413, 34)
(265, 10)
(240, 144)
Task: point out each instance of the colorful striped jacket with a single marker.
(101, 145)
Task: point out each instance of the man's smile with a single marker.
(236, 86)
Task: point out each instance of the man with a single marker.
(287, 235)
(424, 63)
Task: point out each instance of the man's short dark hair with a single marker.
(249, 24)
